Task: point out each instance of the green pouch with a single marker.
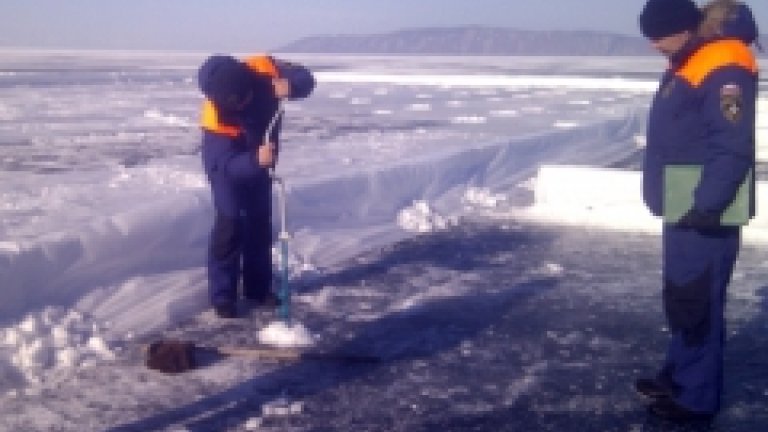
(680, 181)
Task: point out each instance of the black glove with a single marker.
(698, 219)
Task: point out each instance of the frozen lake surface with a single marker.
(473, 222)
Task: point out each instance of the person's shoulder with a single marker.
(731, 74)
(718, 58)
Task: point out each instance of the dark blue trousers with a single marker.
(698, 265)
(241, 238)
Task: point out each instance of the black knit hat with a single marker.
(662, 18)
(225, 80)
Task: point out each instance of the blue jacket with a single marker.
(704, 114)
(232, 154)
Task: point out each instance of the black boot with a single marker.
(225, 310)
(652, 389)
(668, 409)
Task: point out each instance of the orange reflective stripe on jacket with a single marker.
(209, 120)
(262, 64)
(715, 55)
(209, 116)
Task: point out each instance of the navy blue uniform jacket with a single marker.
(704, 114)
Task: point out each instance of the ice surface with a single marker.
(105, 215)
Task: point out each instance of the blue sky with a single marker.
(248, 25)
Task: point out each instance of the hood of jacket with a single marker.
(225, 80)
(729, 19)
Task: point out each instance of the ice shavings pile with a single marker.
(51, 339)
(282, 334)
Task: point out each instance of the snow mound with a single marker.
(421, 218)
(52, 339)
(607, 198)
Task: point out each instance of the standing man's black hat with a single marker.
(662, 18)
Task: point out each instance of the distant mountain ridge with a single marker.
(476, 40)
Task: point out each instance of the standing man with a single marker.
(240, 131)
(703, 115)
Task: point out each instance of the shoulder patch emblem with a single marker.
(731, 102)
